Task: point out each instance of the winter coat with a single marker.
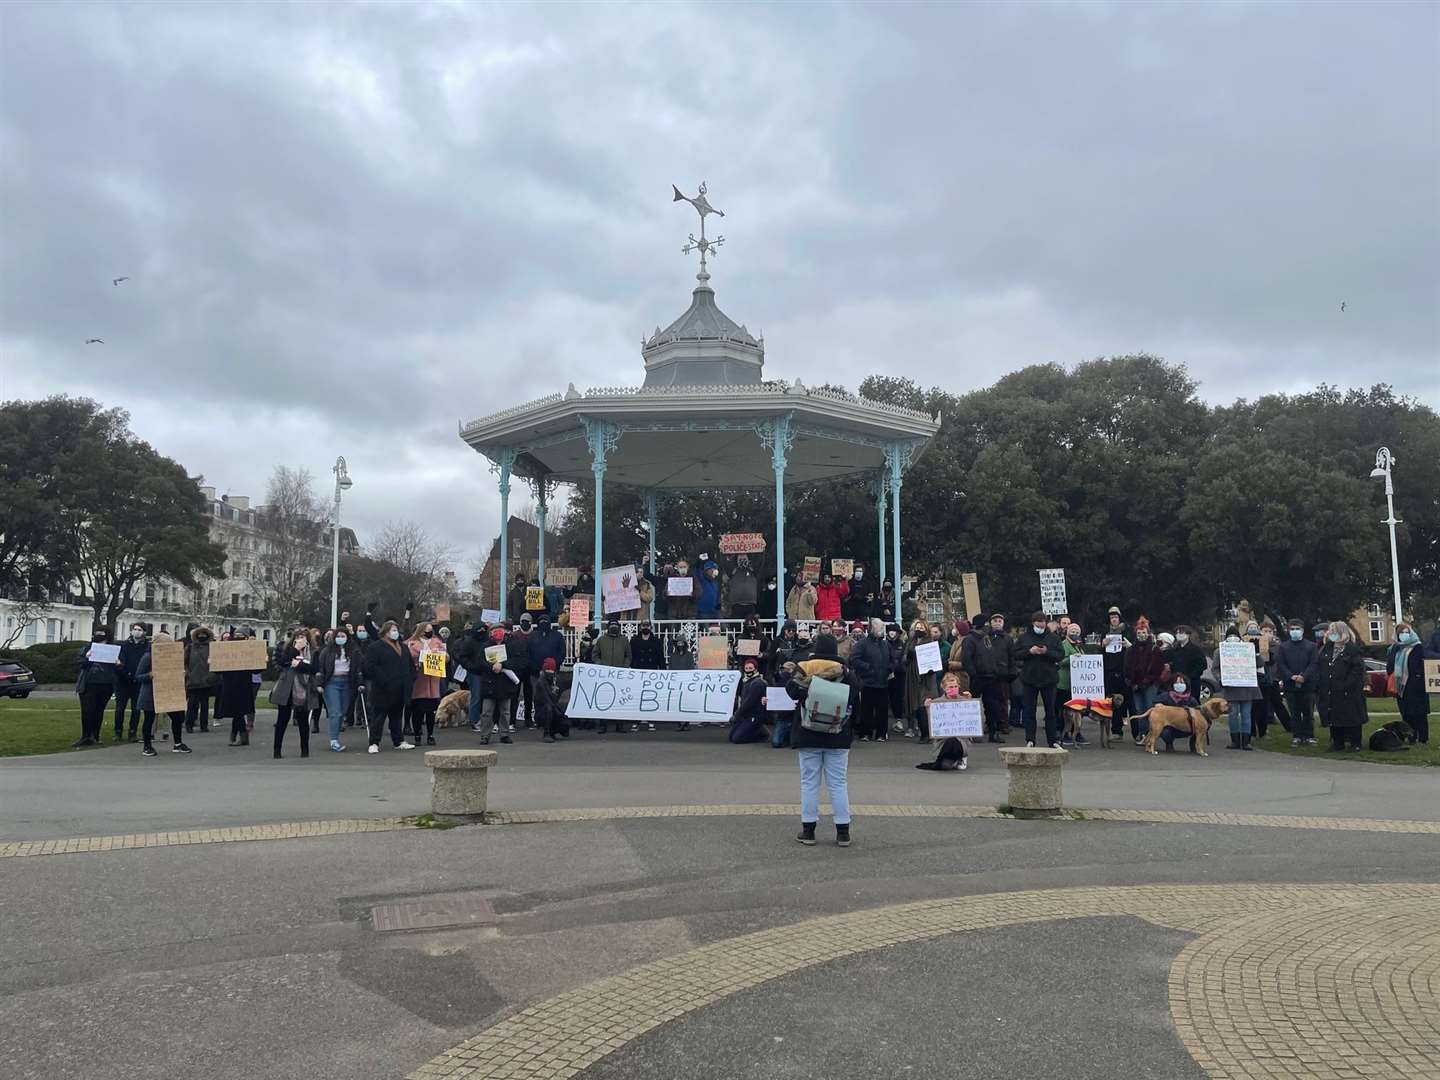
(1188, 660)
(989, 656)
(546, 646)
(1114, 667)
(883, 607)
(707, 591)
(517, 647)
(1042, 669)
(1340, 689)
(547, 699)
(647, 654)
(919, 688)
(870, 661)
(325, 664)
(515, 601)
(131, 653)
(744, 587)
(468, 651)
(750, 713)
(800, 602)
(91, 674)
(1412, 699)
(801, 737)
(282, 693)
(425, 687)
(782, 650)
(1144, 665)
(861, 601)
(612, 651)
(681, 658)
(1238, 693)
(828, 599)
(1297, 658)
(1070, 648)
(198, 675)
(389, 673)
(237, 694)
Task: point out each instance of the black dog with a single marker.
(1394, 736)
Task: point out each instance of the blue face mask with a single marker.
(1408, 638)
(1332, 637)
(1179, 688)
(1296, 634)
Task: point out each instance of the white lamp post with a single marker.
(342, 483)
(1383, 461)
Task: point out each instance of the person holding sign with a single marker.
(1406, 669)
(1039, 653)
(429, 655)
(145, 679)
(951, 753)
(94, 684)
(921, 679)
(1238, 662)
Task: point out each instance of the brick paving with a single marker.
(1347, 992)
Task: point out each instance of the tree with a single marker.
(292, 556)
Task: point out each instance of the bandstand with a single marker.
(704, 419)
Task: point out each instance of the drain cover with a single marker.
(458, 909)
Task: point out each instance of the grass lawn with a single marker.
(36, 726)
(1381, 712)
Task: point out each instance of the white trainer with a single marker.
(406, 746)
(373, 749)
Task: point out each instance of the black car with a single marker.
(16, 680)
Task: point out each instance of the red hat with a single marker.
(548, 664)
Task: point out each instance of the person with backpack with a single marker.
(822, 733)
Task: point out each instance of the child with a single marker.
(951, 756)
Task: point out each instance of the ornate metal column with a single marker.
(602, 437)
(897, 457)
(650, 511)
(503, 464)
(880, 521)
(777, 437)
(541, 488)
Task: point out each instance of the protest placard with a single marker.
(777, 699)
(433, 664)
(564, 577)
(842, 568)
(713, 652)
(956, 720)
(1087, 677)
(534, 598)
(741, 543)
(619, 589)
(680, 586)
(971, 584)
(747, 646)
(167, 667)
(811, 570)
(1432, 676)
(579, 610)
(1237, 664)
(1052, 592)
(496, 654)
(248, 654)
(927, 657)
(101, 653)
(489, 616)
(609, 693)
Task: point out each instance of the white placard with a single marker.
(1237, 664)
(1052, 591)
(460, 675)
(778, 699)
(489, 616)
(956, 719)
(680, 586)
(1087, 677)
(101, 653)
(619, 589)
(496, 654)
(611, 693)
(927, 657)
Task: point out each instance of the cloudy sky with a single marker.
(349, 227)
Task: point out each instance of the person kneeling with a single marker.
(951, 754)
(748, 724)
(1180, 697)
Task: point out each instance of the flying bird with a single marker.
(116, 281)
(1342, 305)
(93, 341)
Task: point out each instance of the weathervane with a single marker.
(703, 245)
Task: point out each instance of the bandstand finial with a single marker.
(704, 245)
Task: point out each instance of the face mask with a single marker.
(613, 631)
(427, 633)
(859, 574)
(1408, 638)
(101, 637)
(771, 586)
(1039, 628)
(1142, 636)
(1252, 629)
(1179, 688)
(445, 635)
(1332, 637)
(645, 631)
(340, 639)
(1183, 639)
(1296, 634)
(394, 635)
(136, 635)
(361, 634)
(952, 691)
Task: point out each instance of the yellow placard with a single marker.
(433, 663)
(534, 598)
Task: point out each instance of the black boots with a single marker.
(1234, 740)
(1245, 743)
(807, 833)
(842, 835)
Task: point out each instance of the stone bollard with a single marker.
(459, 783)
(1034, 779)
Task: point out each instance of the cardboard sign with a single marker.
(741, 543)
(442, 612)
(971, 583)
(565, 577)
(619, 589)
(1052, 592)
(610, 693)
(534, 598)
(680, 586)
(433, 664)
(713, 653)
(1237, 664)
(956, 720)
(167, 666)
(102, 653)
(927, 657)
(579, 610)
(747, 647)
(777, 700)
(247, 655)
(1432, 676)
(842, 568)
(496, 654)
(489, 616)
(1087, 677)
(811, 571)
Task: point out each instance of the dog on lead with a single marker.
(1076, 711)
(453, 710)
(1186, 721)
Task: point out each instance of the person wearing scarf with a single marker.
(1406, 668)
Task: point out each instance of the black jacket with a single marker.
(1189, 660)
(93, 675)
(872, 662)
(325, 664)
(517, 648)
(986, 656)
(546, 646)
(1340, 690)
(131, 653)
(1041, 669)
(831, 670)
(1297, 658)
(388, 674)
(647, 654)
(861, 601)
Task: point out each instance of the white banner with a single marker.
(1237, 664)
(1052, 592)
(610, 693)
(1087, 677)
(956, 719)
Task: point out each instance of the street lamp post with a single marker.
(342, 483)
(1383, 462)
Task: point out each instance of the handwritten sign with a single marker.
(680, 586)
(811, 570)
(1087, 676)
(1052, 592)
(489, 616)
(741, 543)
(619, 589)
(247, 655)
(579, 610)
(927, 657)
(609, 693)
(842, 567)
(956, 720)
(778, 700)
(167, 667)
(101, 653)
(433, 663)
(534, 598)
(971, 584)
(1237, 664)
(713, 653)
(564, 577)
(1432, 676)
(747, 647)
(496, 654)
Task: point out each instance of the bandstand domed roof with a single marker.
(703, 347)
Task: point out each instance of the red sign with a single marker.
(741, 543)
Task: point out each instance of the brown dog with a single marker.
(454, 709)
(1186, 721)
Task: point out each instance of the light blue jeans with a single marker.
(337, 702)
(1240, 717)
(835, 764)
